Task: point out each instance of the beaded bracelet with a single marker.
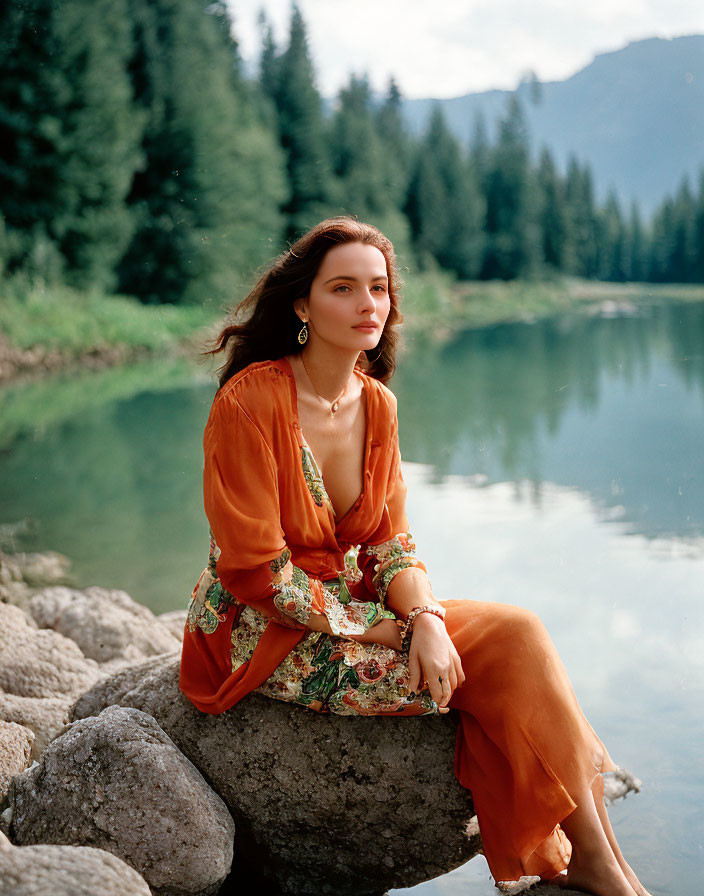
(407, 627)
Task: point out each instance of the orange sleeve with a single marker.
(241, 494)
(241, 498)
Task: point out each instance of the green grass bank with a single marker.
(43, 330)
(441, 307)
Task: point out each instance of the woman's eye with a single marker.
(342, 287)
(380, 288)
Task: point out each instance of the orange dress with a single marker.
(278, 553)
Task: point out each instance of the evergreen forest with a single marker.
(137, 157)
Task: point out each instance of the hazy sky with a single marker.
(446, 48)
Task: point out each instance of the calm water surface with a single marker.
(556, 465)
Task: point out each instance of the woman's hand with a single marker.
(433, 658)
(385, 632)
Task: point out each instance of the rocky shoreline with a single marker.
(18, 364)
(112, 782)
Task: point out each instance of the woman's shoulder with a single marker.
(383, 395)
(259, 393)
(255, 387)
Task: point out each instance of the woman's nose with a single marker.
(367, 300)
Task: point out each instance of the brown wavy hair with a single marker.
(265, 326)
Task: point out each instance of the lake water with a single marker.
(557, 465)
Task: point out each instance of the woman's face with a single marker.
(349, 298)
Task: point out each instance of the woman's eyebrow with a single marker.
(347, 277)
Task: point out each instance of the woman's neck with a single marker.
(330, 370)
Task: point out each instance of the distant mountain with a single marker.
(636, 116)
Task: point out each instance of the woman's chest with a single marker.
(337, 449)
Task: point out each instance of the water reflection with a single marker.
(34, 408)
(611, 406)
(626, 614)
(555, 465)
(109, 465)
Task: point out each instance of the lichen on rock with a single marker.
(323, 804)
(118, 782)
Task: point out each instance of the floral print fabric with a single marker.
(296, 596)
(209, 600)
(314, 479)
(280, 548)
(327, 673)
(334, 674)
(392, 556)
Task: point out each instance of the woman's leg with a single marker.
(593, 866)
(613, 842)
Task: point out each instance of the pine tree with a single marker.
(302, 131)
(637, 247)
(396, 145)
(480, 150)
(662, 242)
(513, 239)
(552, 217)
(676, 237)
(368, 175)
(698, 236)
(444, 204)
(357, 152)
(206, 200)
(611, 242)
(69, 135)
(683, 259)
(268, 70)
(581, 221)
(425, 206)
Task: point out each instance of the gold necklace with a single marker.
(331, 405)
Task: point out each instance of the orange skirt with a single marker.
(524, 747)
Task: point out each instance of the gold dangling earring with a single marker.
(303, 333)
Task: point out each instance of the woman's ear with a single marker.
(299, 306)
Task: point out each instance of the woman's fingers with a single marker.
(439, 685)
(453, 678)
(415, 681)
(447, 689)
(435, 688)
(434, 663)
(457, 662)
(445, 692)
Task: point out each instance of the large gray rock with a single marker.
(175, 621)
(65, 871)
(322, 804)
(46, 717)
(40, 663)
(13, 588)
(37, 570)
(15, 749)
(118, 782)
(106, 624)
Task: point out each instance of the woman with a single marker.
(314, 594)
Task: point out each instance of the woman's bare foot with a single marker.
(629, 873)
(595, 866)
(595, 875)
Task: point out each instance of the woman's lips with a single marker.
(368, 328)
